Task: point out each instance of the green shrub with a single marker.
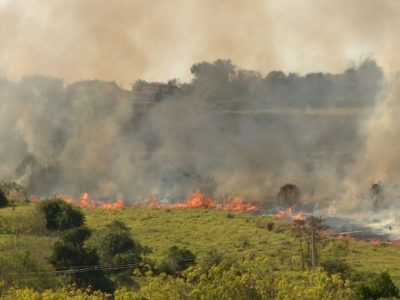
(115, 245)
(270, 226)
(380, 286)
(3, 199)
(211, 258)
(335, 266)
(177, 260)
(61, 215)
(230, 215)
(70, 253)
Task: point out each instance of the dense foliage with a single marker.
(379, 286)
(72, 257)
(3, 199)
(177, 260)
(60, 215)
(115, 245)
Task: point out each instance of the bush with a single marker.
(381, 286)
(70, 253)
(270, 226)
(61, 215)
(230, 215)
(177, 260)
(246, 279)
(332, 266)
(115, 245)
(3, 199)
(211, 258)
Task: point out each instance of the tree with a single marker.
(115, 245)
(288, 195)
(13, 191)
(177, 260)
(61, 215)
(376, 194)
(308, 231)
(3, 199)
(71, 253)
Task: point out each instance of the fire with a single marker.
(199, 199)
(86, 202)
(288, 214)
(119, 203)
(195, 200)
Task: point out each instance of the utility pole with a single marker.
(313, 250)
(313, 222)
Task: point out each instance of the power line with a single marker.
(88, 268)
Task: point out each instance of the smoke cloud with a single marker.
(250, 131)
(157, 40)
(247, 133)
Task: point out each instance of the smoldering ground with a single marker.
(249, 132)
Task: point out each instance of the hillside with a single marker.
(200, 230)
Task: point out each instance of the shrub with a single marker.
(230, 215)
(61, 215)
(70, 253)
(381, 286)
(177, 260)
(332, 266)
(115, 245)
(270, 226)
(211, 258)
(3, 199)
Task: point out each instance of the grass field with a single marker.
(199, 230)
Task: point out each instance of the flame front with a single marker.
(199, 199)
(288, 214)
(86, 202)
(196, 199)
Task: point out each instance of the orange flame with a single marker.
(199, 199)
(86, 202)
(288, 214)
(119, 203)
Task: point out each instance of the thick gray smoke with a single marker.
(158, 39)
(246, 132)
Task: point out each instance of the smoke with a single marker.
(157, 40)
(248, 133)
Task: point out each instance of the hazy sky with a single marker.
(124, 40)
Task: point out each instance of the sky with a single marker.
(156, 40)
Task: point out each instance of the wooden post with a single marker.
(313, 250)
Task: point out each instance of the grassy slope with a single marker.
(204, 229)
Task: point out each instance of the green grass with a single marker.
(199, 230)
